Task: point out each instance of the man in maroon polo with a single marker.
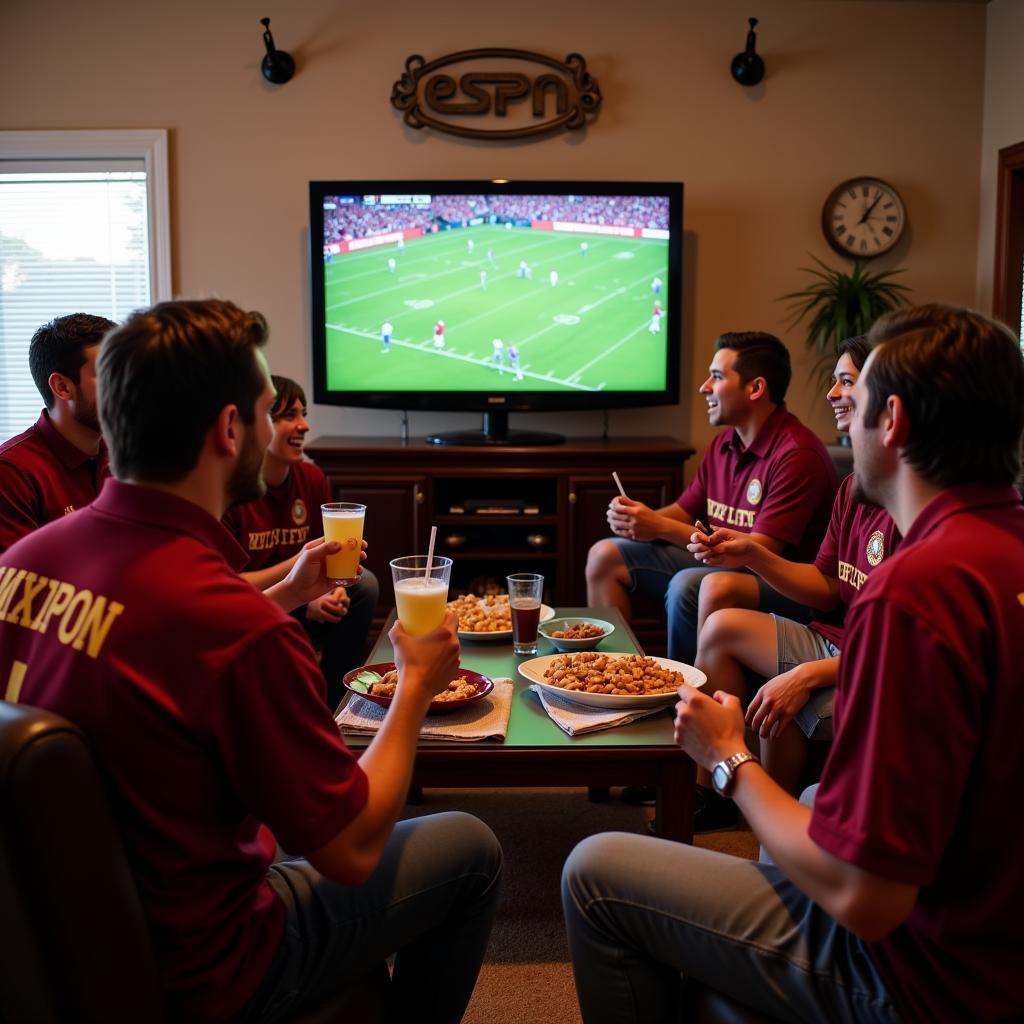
(768, 476)
(898, 896)
(59, 463)
(204, 706)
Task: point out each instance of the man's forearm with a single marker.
(865, 903)
(802, 582)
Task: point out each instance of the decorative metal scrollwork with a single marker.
(431, 98)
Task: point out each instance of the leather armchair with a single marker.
(76, 946)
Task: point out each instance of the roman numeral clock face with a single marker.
(863, 218)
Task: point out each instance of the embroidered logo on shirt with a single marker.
(876, 548)
(298, 511)
(754, 491)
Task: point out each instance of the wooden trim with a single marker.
(1006, 296)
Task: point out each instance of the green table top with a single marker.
(529, 725)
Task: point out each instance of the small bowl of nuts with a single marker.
(575, 634)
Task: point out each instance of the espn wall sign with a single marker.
(510, 94)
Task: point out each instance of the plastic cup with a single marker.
(343, 521)
(525, 590)
(420, 596)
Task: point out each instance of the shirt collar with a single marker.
(765, 437)
(169, 512)
(954, 500)
(69, 454)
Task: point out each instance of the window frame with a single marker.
(146, 144)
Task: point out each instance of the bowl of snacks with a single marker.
(488, 617)
(377, 684)
(575, 634)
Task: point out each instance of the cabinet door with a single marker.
(394, 522)
(587, 523)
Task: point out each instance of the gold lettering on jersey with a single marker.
(852, 575)
(82, 619)
(263, 540)
(9, 584)
(68, 509)
(742, 518)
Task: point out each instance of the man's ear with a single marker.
(61, 386)
(225, 432)
(758, 388)
(894, 422)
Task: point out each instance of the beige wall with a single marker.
(1003, 123)
(853, 87)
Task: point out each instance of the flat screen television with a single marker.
(496, 296)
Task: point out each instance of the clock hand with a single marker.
(867, 212)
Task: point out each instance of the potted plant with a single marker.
(840, 305)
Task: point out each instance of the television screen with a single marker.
(495, 295)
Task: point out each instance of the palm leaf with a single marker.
(838, 305)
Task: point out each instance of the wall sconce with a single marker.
(747, 67)
(278, 66)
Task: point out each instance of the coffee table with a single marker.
(536, 753)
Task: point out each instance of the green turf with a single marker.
(589, 332)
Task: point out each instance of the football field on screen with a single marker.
(588, 332)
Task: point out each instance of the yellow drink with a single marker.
(421, 603)
(344, 524)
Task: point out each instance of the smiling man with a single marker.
(59, 463)
(899, 895)
(769, 476)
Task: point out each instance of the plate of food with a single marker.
(489, 617)
(575, 633)
(377, 683)
(604, 680)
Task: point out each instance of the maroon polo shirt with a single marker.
(204, 706)
(276, 526)
(43, 476)
(859, 538)
(923, 781)
(782, 486)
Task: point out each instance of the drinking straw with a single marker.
(430, 551)
(618, 483)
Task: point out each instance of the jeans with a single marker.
(640, 912)
(342, 645)
(430, 902)
(664, 570)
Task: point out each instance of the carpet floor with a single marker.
(527, 977)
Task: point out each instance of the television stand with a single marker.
(494, 431)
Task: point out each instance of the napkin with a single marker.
(485, 719)
(577, 719)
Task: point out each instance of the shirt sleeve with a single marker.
(281, 747)
(694, 498)
(19, 505)
(798, 487)
(908, 714)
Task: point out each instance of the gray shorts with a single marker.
(798, 644)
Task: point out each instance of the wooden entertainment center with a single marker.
(501, 509)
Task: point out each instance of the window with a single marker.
(83, 229)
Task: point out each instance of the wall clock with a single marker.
(863, 217)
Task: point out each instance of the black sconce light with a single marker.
(747, 67)
(278, 66)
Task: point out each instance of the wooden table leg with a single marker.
(674, 801)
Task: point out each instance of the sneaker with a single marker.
(714, 813)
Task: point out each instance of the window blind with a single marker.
(74, 238)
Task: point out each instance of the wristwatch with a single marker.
(723, 775)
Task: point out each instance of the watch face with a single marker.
(863, 217)
(720, 778)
